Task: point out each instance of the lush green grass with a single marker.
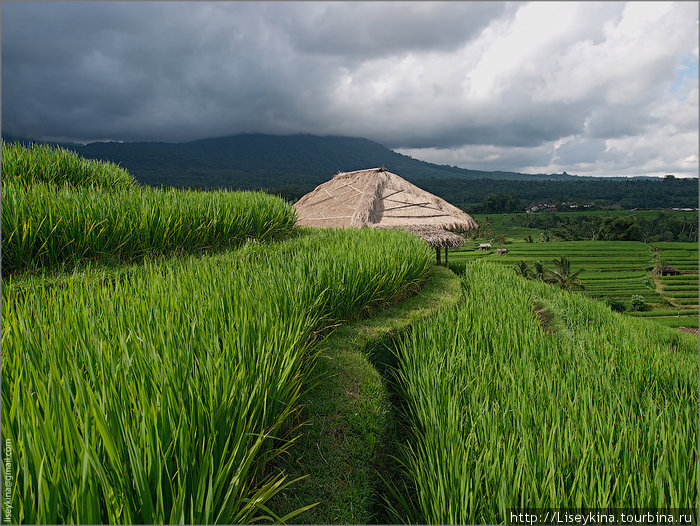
(599, 410)
(60, 210)
(159, 393)
(651, 314)
(49, 227)
(682, 279)
(617, 269)
(684, 295)
(680, 288)
(678, 321)
(348, 426)
(39, 163)
(612, 269)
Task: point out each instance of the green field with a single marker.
(613, 270)
(181, 357)
(171, 380)
(559, 411)
(616, 269)
(158, 392)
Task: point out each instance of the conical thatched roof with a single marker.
(377, 198)
(435, 237)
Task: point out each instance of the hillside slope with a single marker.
(293, 165)
(257, 160)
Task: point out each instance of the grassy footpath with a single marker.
(347, 415)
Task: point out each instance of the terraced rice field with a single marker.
(159, 391)
(599, 410)
(680, 291)
(617, 269)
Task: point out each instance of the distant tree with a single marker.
(616, 304)
(500, 239)
(637, 302)
(501, 203)
(616, 228)
(291, 192)
(522, 269)
(561, 275)
(538, 271)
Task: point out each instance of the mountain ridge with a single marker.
(292, 165)
(310, 156)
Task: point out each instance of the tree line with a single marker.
(663, 226)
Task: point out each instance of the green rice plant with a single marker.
(47, 226)
(158, 393)
(681, 288)
(666, 312)
(693, 301)
(684, 295)
(680, 278)
(40, 163)
(677, 321)
(595, 409)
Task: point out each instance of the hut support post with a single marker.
(447, 264)
(437, 253)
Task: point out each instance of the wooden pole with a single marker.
(447, 264)
(437, 252)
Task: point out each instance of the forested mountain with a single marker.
(256, 160)
(292, 165)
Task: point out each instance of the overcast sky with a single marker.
(589, 88)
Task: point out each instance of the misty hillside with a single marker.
(293, 165)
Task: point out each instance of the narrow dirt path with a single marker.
(347, 420)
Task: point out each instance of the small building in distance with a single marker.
(484, 246)
(668, 270)
(377, 198)
(538, 207)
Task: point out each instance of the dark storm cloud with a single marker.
(178, 71)
(424, 76)
(363, 30)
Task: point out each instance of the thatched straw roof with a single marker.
(377, 198)
(435, 237)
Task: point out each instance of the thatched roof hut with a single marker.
(378, 198)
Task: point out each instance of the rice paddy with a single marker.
(615, 270)
(173, 382)
(156, 346)
(158, 392)
(39, 163)
(599, 410)
(51, 227)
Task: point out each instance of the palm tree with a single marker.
(522, 269)
(562, 275)
(539, 271)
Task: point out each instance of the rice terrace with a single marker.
(213, 362)
(350, 263)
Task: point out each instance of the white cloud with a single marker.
(505, 86)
